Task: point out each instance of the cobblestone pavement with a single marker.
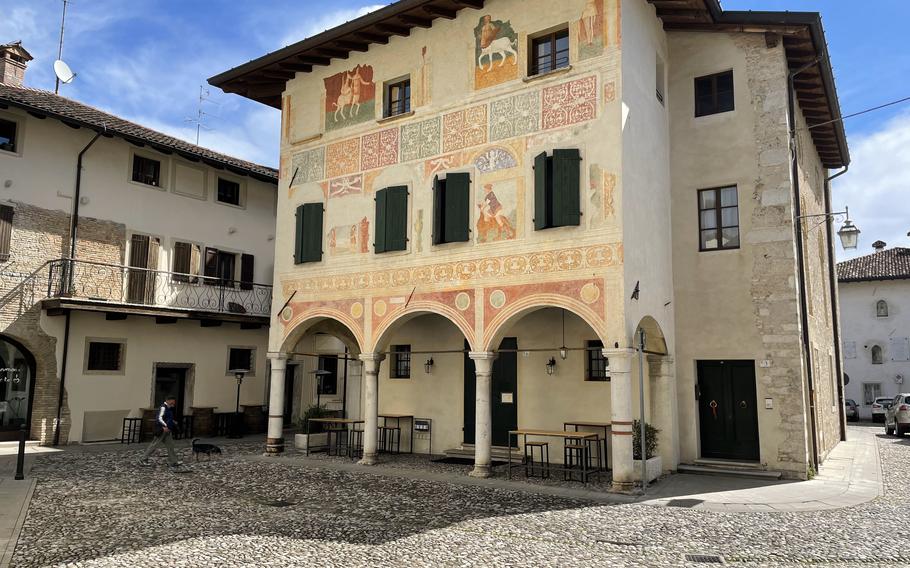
(102, 509)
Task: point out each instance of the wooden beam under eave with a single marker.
(372, 37)
(441, 12)
(334, 53)
(270, 74)
(313, 60)
(416, 21)
(352, 45)
(476, 4)
(403, 31)
(299, 67)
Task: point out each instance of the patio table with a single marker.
(606, 427)
(575, 436)
(398, 418)
(338, 423)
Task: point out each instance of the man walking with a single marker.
(165, 426)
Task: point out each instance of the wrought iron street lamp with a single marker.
(848, 233)
(320, 373)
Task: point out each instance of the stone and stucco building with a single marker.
(873, 291)
(479, 184)
(171, 272)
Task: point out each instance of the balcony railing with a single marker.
(154, 288)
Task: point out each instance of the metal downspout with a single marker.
(832, 285)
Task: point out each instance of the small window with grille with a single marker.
(105, 356)
(597, 367)
(401, 362)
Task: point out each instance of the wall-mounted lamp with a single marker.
(563, 351)
(551, 366)
(848, 233)
(428, 365)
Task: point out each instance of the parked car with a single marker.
(851, 410)
(897, 417)
(879, 406)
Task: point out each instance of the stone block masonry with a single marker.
(39, 236)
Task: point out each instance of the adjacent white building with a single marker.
(875, 319)
(162, 286)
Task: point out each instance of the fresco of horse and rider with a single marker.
(350, 98)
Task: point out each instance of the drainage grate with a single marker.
(705, 558)
(685, 503)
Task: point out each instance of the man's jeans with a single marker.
(167, 439)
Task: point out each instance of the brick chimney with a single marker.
(13, 62)
(879, 246)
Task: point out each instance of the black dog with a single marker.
(207, 449)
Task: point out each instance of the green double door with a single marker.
(727, 410)
(504, 395)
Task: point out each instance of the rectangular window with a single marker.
(219, 267)
(308, 239)
(7, 135)
(241, 358)
(401, 362)
(718, 218)
(228, 192)
(187, 257)
(327, 383)
(147, 171)
(714, 94)
(397, 97)
(549, 52)
(391, 219)
(557, 184)
(104, 356)
(6, 231)
(871, 391)
(597, 367)
(451, 208)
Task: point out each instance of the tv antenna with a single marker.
(59, 65)
(199, 119)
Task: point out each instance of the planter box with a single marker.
(311, 441)
(654, 468)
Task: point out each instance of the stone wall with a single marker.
(38, 236)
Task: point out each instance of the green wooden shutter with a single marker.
(381, 222)
(541, 191)
(566, 187)
(312, 232)
(439, 207)
(396, 220)
(457, 208)
(298, 238)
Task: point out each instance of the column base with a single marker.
(623, 487)
(368, 459)
(274, 446)
(481, 471)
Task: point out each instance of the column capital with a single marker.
(482, 355)
(377, 357)
(653, 358)
(620, 359)
(276, 355)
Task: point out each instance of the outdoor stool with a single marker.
(132, 431)
(355, 446)
(575, 457)
(389, 439)
(595, 444)
(542, 466)
(337, 441)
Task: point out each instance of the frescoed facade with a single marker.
(535, 195)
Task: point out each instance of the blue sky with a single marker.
(145, 59)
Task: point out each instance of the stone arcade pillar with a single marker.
(483, 428)
(621, 416)
(274, 442)
(664, 408)
(370, 379)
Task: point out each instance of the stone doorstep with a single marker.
(728, 471)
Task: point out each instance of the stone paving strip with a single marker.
(102, 509)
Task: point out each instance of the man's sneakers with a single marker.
(145, 462)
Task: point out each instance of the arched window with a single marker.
(876, 355)
(881, 309)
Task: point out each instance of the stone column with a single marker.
(621, 416)
(371, 363)
(483, 412)
(664, 409)
(274, 442)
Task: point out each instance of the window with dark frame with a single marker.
(228, 192)
(397, 98)
(104, 356)
(597, 367)
(401, 362)
(240, 358)
(328, 384)
(714, 94)
(147, 171)
(8, 135)
(549, 52)
(718, 218)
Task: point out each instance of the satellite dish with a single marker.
(63, 71)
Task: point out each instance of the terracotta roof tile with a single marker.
(62, 108)
(891, 264)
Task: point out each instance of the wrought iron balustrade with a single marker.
(155, 288)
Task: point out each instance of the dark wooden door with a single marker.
(503, 395)
(171, 381)
(728, 416)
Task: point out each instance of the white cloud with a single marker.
(877, 186)
(325, 22)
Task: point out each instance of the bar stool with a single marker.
(337, 441)
(355, 446)
(595, 443)
(390, 439)
(543, 465)
(575, 457)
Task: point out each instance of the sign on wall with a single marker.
(900, 349)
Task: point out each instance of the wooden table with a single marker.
(337, 422)
(577, 436)
(605, 426)
(398, 418)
